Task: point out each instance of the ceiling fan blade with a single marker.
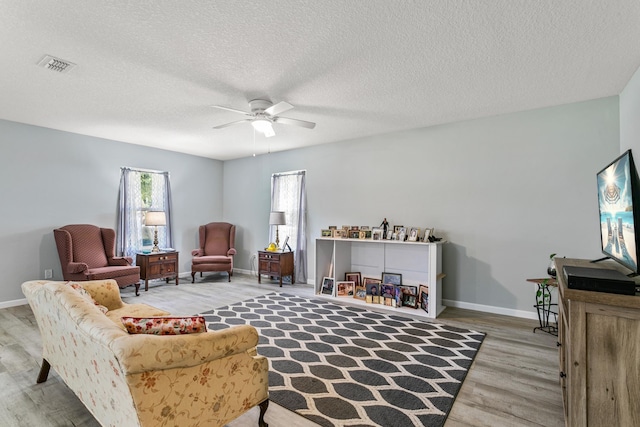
(278, 108)
(231, 109)
(232, 123)
(295, 122)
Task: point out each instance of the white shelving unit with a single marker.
(419, 263)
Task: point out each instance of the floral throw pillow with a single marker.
(163, 325)
(82, 291)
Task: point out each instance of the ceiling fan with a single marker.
(262, 116)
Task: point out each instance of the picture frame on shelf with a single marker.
(397, 228)
(423, 289)
(377, 234)
(354, 277)
(360, 292)
(354, 234)
(339, 234)
(397, 297)
(414, 234)
(373, 293)
(410, 300)
(389, 235)
(367, 234)
(394, 279)
(345, 289)
(387, 291)
(368, 280)
(326, 233)
(333, 227)
(365, 227)
(424, 301)
(362, 234)
(327, 286)
(427, 232)
(408, 289)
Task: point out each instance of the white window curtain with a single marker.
(142, 191)
(288, 194)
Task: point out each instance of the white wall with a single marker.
(630, 117)
(506, 192)
(52, 178)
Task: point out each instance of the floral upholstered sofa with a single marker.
(198, 379)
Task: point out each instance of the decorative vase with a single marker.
(551, 269)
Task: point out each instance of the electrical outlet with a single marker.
(48, 274)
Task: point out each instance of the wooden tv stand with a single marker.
(599, 343)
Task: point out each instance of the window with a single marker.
(288, 194)
(142, 191)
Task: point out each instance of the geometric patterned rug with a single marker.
(339, 365)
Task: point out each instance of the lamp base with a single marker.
(155, 241)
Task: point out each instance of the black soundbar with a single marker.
(599, 280)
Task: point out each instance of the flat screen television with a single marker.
(618, 187)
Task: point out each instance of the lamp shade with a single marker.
(277, 218)
(155, 218)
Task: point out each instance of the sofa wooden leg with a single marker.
(229, 276)
(193, 277)
(263, 409)
(44, 372)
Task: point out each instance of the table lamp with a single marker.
(155, 218)
(277, 218)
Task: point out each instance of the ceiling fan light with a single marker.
(264, 126)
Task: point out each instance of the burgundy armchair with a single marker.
(87, 252)
(217, 248)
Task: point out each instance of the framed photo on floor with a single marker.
(392, 279)
(360, 292)
(401, 290)
(424, 301)
(410, 300)
(372, 287)
(355, 277)
(327, 286)
(423, 289)
(345, 289)
(387, 291)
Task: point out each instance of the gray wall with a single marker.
(52, 178)
(506, 192)
(630, 117)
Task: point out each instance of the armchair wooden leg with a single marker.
(193, 277)
(44, 372)
(229, 276)
(263, 409)
(137, 289)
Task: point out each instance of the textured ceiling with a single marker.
(148, 71)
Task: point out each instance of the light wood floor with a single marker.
(513, 381)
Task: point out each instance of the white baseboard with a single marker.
(14, 303)
(491, 309)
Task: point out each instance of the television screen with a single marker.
(617, 187)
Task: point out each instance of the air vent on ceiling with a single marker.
(56, 64)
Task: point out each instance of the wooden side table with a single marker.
(275, 264)
(157, 265)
